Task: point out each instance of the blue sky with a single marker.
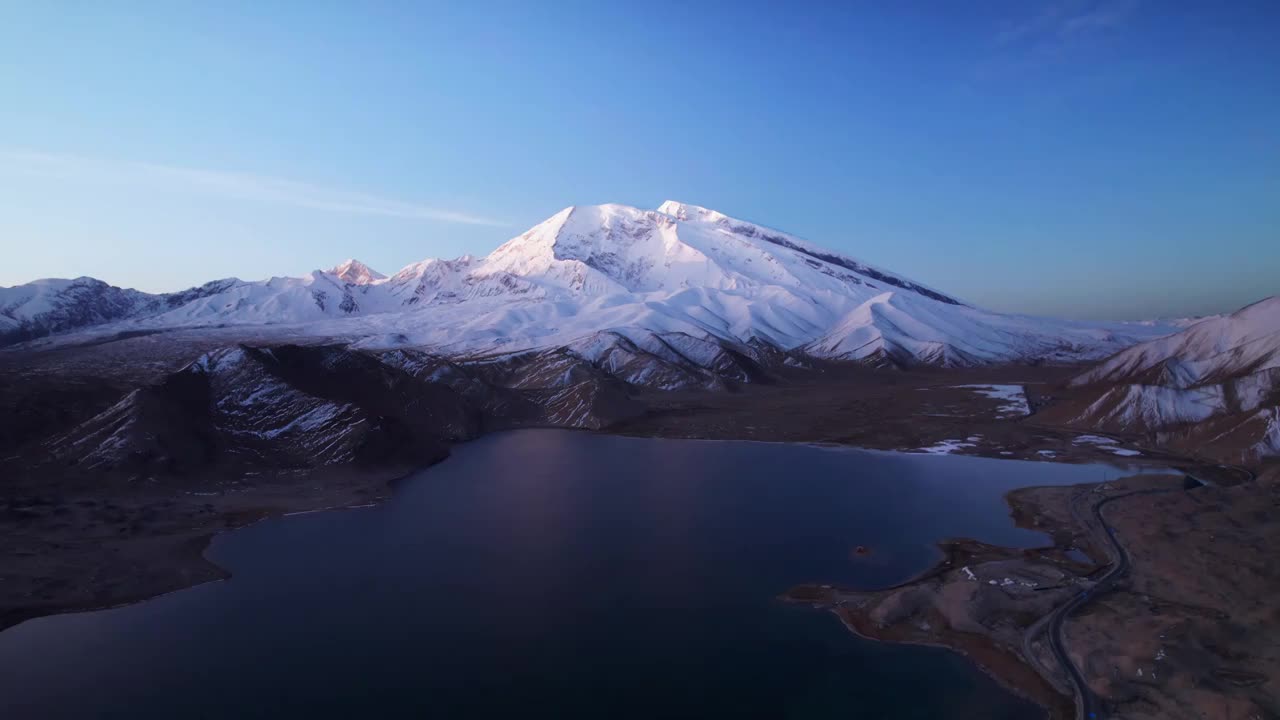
(1098, 159)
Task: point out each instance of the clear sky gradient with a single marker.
(1091, 158)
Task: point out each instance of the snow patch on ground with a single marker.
(945, 447)
(1093, 440)
(1013, 398)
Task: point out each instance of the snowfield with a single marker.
(680, 269)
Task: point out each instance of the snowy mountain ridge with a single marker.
(1214, 386)
(678, 269)
(1216, 348)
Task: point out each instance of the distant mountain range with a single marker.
(629, 273)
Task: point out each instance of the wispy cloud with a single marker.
(1051, 36)
(1060, 19)
(244, 186)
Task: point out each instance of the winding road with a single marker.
(1088, 706)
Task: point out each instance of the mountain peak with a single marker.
(356, 272)
(686, 211)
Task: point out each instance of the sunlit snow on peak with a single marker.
(589, 268)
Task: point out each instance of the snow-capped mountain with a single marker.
(47, 307)
(356, 273)
(680, 269)
(1215, 386)
(1244, 343)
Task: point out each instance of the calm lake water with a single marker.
(559, 574)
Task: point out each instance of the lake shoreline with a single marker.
(179, 561)
(255, 557)
(154, 559)
(950, 605)
(81, 539)
(1000, 668)
(176, 560)
(929, 628)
